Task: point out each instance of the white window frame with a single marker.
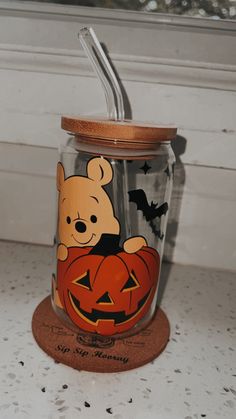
(144, 47)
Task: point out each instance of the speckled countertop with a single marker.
(194, 378)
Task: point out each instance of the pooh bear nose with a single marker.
(80, 227)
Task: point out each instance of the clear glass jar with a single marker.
(114, 185)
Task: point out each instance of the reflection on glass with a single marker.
(215, 9)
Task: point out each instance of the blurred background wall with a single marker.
(174, 72)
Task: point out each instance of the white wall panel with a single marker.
(31, 105)
(28, 193)
(206, 212)
(216, 149)
(148, 34)
(167, 82)
(187, 107)
(27, 209)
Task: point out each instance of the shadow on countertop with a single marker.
(179, 148)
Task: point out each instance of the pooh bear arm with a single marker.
(69, 254)
(62, 252)
(134, 244)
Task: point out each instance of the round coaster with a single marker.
(97, 353)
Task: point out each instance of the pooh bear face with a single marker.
(85, 209)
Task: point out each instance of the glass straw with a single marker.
(114, 99)
(106, 75)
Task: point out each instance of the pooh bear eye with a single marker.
(93, 219)
(68, 220)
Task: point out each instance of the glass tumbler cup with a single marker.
(114, 182)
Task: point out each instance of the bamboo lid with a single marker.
(126, 132)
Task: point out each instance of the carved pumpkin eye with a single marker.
(131, 284)
(84, 281)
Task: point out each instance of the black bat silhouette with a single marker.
(155, 231)
(150, 212)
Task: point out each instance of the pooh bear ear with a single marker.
(60, 175)
(100, 170)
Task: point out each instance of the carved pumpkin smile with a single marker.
(98, 315)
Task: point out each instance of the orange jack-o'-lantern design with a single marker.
(102, 287)
(108, 294)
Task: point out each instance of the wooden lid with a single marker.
(127, 131)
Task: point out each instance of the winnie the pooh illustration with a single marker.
(101, 286)
(86, 214)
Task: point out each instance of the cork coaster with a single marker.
(97, 353)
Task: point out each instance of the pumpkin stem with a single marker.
(107, 245)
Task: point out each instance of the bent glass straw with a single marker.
(114, 99)
(106, 75)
